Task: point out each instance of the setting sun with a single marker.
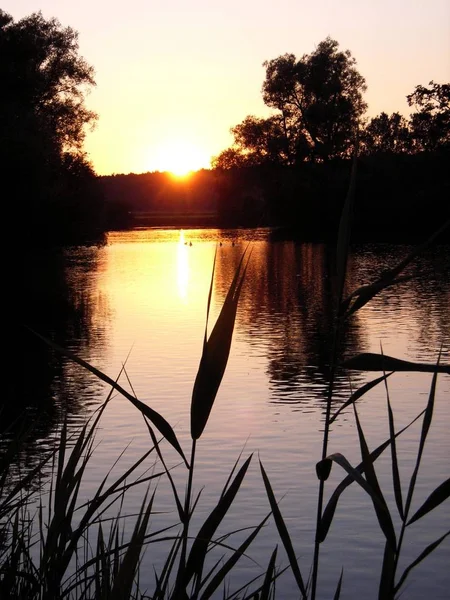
(180, 158)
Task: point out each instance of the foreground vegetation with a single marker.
(54, 545)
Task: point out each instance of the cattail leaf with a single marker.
(196, 559)
(358, 394)
(439, 495)
(158, 420)
(419, 559)
(381, 508)
(337, 593)
(368, 361)
(216, 351)
(328, 513)
(283, 531)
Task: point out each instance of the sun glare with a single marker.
(181, 158)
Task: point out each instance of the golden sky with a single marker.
(174, 75)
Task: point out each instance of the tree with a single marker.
(387, 134)
(430, 124)
(43, 122)
(256, 142)
(320, 101)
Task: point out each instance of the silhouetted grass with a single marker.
(55, 546)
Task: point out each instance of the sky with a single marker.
(173, 76)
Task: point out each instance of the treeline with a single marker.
(131, 197)
(292, 169)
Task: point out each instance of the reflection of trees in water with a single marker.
(286, 307)
(56, 295)
(423, 302)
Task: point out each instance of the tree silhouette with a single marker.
(43, 121)
(387, 134)
(430, 123)
(318, 102)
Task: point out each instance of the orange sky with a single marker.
(173, 77)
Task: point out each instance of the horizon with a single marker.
(170, 83)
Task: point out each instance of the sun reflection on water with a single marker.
(182, 268)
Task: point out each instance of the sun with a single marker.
(181, 158)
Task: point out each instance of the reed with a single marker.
(54, 546)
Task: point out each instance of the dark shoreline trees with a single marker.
(49, 186)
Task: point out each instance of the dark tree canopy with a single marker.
(387, 134)
(319, 105)
(430, 123)
(43, 121)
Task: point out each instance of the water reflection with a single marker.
(56, 295)
(286, 309)
(182, 266)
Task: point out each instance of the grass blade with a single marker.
(283, 531)
(440, 494)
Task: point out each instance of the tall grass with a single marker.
(53, 545)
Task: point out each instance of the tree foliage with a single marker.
(387, 134)
(320, 100)
(430, 123)
(318, 106)
(43, 121)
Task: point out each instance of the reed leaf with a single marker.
(196, 558)
(419, 559)
(216, 350)
(220, 576)
(283, 532)
(344, 231)
(390, 277)
(158, 420)
(337, 593)
(394, 461)
(269, 577)
(426, 423)
(355, 475)
(439, 495)
(368, 361)
(364, 294)
(123, 582)
(386, 587)
(381, 508)
(358, 394)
